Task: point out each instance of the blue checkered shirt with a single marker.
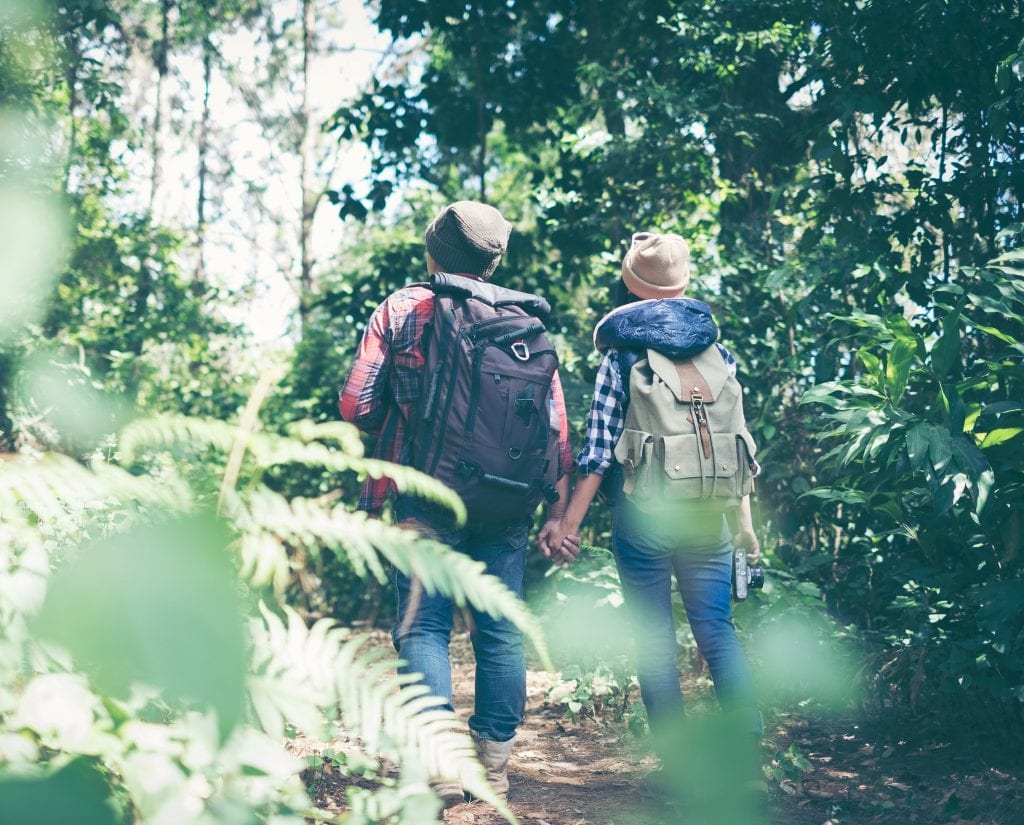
(607, 415)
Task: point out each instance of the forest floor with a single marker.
(861, 771)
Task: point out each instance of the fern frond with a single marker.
(364, 540)
(166, 431)
(269, 450)
(47, 488)
(406, 479)
(288, 682)
(264, 561)
(345, 435)
(391, 715)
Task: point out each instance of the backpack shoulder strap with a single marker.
(705, 373)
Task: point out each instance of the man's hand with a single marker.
(746, 539)
(559, 542)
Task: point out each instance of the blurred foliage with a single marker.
(146, 626)
(581, 609)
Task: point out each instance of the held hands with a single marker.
(559, 542)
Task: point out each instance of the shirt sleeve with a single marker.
(730, 362)
(606, 418)
(363, 399)
(565, 462)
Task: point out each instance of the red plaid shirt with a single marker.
(382, 389)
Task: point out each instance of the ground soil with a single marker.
(864, 770)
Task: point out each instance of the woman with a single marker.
(653, 539)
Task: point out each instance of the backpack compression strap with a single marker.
(496, 296)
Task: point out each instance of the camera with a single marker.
(745, 576)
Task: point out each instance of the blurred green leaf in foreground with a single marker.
(158, 606)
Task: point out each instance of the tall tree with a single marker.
(310, 192)
(161, 61)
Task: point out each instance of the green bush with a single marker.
(923, 478)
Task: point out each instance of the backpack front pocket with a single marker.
(683, 466)
(695, 470)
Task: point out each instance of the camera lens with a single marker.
(756, 576)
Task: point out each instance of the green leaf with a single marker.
(995, 332)
(872, 363)
(845, 496)
(77, 793)
(158, 606)
(1001, 435)
(947, 348)
(823, 394)
(897, 368)
(967, 457)
(917, 446)
(940, 447)
(986, 481)
(1001, 408)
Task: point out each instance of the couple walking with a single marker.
(456, 377)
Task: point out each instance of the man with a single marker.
(382, 396)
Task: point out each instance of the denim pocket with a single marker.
(517, 536)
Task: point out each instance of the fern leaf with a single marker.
(269, 450)
(345, 435)
(47, 488)
(302, 668)
(364, 540)
(407, 721)
(264, 561)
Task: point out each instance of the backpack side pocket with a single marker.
(745, 451)
(634, 451)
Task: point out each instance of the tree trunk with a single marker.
(597, 49)
(160, 60)
(8, 443)
(71, 78)
(307, 160)
(204, 152)
(481, 105)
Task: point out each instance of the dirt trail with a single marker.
(861, 773)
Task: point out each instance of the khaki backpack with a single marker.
(685, 437)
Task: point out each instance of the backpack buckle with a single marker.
(525, 406)
(521, 350)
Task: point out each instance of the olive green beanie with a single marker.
(468, 237)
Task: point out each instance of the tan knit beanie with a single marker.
(657, 266)
(468, 237)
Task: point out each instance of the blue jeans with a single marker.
(647, 555)
(424, 630)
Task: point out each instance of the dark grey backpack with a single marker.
(486, 424)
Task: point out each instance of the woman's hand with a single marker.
(746, 539)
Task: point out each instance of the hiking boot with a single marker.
(450, 793)
(494, 757)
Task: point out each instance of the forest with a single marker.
(202, 204)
